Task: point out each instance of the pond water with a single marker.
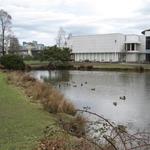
(107, 87)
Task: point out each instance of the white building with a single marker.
(113, 47)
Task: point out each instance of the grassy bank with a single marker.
(112, 66)
(44, 65)
(36, 62)
(21, 122)
(27, 126)
(93, 66)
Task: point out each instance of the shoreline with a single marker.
(129, 67)
(65, 126)
(56, 127)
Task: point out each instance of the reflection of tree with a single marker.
(56, 77)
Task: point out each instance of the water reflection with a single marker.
(109, 86)
(54, 77)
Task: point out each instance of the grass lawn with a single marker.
(36, 62)
(112, 66)
(21, 122)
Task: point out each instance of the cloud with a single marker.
(40, 19)
(145, 9)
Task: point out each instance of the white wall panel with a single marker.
(106, 47)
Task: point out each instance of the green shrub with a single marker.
(139, 69)
(14, 62)
(90, 67)
(81, 67)
(28, 57)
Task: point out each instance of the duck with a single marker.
(81, 84)
(85, 82)
(122, 97)
(74, 85)
(115, 103)
(93, 89)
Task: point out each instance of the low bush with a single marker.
(1, 66)
(63, 144)
(90, 67)
(74, 125)
(139, 69)
(12, 62)
(65, 67)
(81, 67)
(28, 57)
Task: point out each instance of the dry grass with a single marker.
(1, 66)
(63, 144)
(52, 100)
(74, 125)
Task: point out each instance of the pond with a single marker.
(99, 90)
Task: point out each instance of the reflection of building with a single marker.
(31, 48)
(113, 47)
(147, 43)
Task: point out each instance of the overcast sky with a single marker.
(40, 19)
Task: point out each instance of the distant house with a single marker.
(113, 47)
(31, 48)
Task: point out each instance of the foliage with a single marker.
(65, 141)
(56, 56)
(89, 67)
(74, 125)
(35, 57)
(14, 62)
(28, 58)
(14, 46)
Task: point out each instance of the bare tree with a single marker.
(61, 38)
(5, 23)
(14, 46)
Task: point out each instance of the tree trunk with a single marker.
(3, 42)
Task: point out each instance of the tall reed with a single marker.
(52, 100)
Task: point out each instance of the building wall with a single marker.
(135, 57)
(147, 33)
(96, 57)
(131, 57)
(107, 48)
(97, 43)
(142, 58)
(141, 46)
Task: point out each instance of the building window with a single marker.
(148, 42)
(128, 47)
(132, 47)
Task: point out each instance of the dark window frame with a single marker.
(128, 47)
(148, 42)
(132, 46)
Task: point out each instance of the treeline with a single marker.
(57, 57)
